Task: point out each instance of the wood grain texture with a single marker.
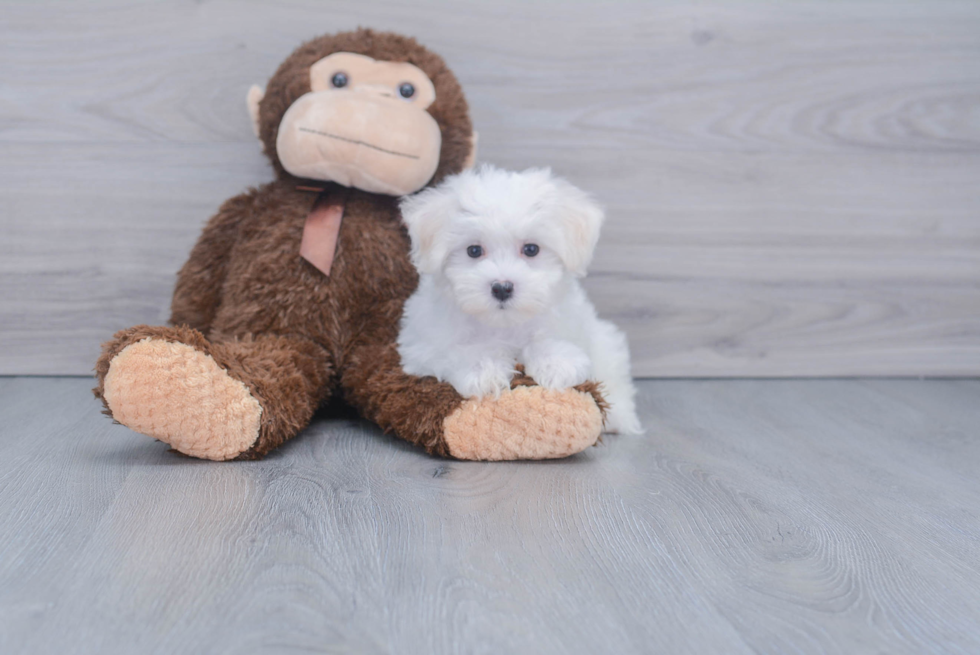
(820, 516)
(791, 188)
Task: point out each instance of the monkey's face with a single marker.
(363, 124)
(371, 110)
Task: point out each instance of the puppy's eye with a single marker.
(339, 80)
(474, 251)
(406, 90)
(531, 249)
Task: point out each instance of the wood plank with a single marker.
(791, 189)
(811, 516)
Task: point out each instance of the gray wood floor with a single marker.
(820, 516)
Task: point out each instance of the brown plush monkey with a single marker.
(261, 336)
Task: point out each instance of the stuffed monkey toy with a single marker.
(294, 290)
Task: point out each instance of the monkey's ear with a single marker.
(252, 100)
(471, 158)
(580, 218)
(427, 215)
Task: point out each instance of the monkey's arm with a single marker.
(200, 280)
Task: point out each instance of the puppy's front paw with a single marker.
(557, 364)
(557, 373)
(488, 378)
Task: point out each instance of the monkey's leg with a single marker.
(220, 401)
(529, 422)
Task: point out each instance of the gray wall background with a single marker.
(793, 189)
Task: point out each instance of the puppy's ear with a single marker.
(427, 215)
(579, 218)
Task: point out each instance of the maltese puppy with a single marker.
(498, 255)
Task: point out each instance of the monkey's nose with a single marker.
(502, 290)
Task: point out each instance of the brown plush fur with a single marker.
(293, 336)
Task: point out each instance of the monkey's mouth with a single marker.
(356, 142)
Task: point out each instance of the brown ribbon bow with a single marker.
(322, 228)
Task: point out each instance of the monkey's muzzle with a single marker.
(372, 142)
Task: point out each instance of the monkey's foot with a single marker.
(178, 394)
(529, 422)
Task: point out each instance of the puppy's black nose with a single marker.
(502, 290)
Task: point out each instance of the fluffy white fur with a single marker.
(455, 329)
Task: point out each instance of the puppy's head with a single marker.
(504, 243)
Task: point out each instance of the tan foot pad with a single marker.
(179, 395)
(525, 423)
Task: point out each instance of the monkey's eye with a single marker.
(339, 80)
(531, 249)
(406, 90)
(474, 251)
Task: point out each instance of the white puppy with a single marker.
(498, 254)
